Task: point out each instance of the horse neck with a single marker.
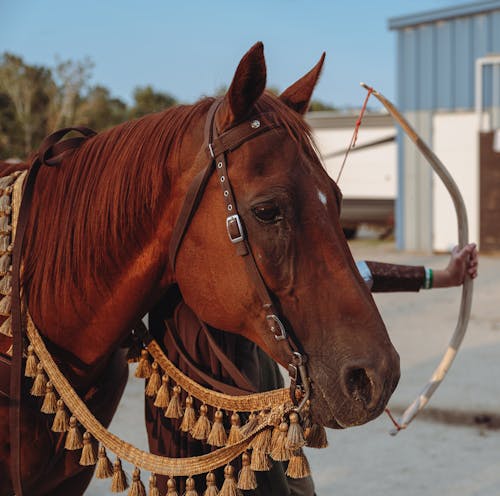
(86, 314)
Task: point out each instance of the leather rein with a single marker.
(218, 146)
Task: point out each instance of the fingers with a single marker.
(468, 255)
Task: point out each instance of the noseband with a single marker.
(218, 146)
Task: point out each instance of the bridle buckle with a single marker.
(234, 228)
(276, 327)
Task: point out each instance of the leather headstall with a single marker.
(218, 148)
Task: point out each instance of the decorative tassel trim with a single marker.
(61, 420)
(298, 467)
(295, 437)
(4, 241)
(229, 488)
(5, 306)
(74, 438)
(119, 482)
(235, 435)
(153, 488)
(104, 469)
(217, 436)
(172, 487)
(211, 489)
(279, 450)
(6, 284)
(260, 462)
(154, 381)
(190, 487)
(5, 228)
(250, 425)
(246, 479)
(174, 409)
(189, 419)
(40, 383)
(137, 487)
(49, 404)
(262, 441)
(31, 363)
(6, 327)
(10, 351)
(144, 369)
(316, 437)
(163, 396)
(89, 456)
(201, 429)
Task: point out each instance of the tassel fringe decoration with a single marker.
(279, 450)
(295, 437)
(250, 425)
(137, 487)
(5, 259)
(104, 469)
(154, 381)
(74, 440)
(40, 383)
(5, 306)
(144, 369)
(211, 489)
(61, 420)
(163, 396)
(190, 487)
(246, 479)
(298, 467)
(172, 487)
(6, 284)
(260, 462)
(6, 327)
(49, 404)
(189, 419)
(316, 437)
(229, 488)
(89, 456)
(201, 429)
(31, 363)
(262, 441)
(174, 409)
(217, 436)
(235, 432)
(153, 488)
(119, 482)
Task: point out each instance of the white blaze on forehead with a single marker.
(322, 197)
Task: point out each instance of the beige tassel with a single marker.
(217, 436)
(6, 327)
(229, 488)
(119, 482)
(154, 381)
(316, 437)
(31, 363)
(298, 467)
(189, 419)
(246, 479)
(201, 429)
(279, 450)
(144, 369)
(74, 438)
(153, 488)
(104, 469)
(174, 409)
(235, 432)
(6, 284)
(5, 260)
(49, 404)
(190, 487)
(250, 425)
(171, 487)
(10, 351)
(295, 437)
(262, 441)
(5, 306)
(163, 396)
(40, 383)
(211, 489)
(137, 487)
(61, 420)
(89, 456)
(260, 461)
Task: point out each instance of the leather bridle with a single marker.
(218, 146)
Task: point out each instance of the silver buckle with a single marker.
(229, 221)
(273, 320)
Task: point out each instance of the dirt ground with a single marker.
(454, 447)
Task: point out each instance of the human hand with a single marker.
(462, 262)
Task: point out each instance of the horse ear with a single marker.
(246, 88)
(298, 95)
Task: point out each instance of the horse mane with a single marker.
(100, 203)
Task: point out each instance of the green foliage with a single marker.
(318, 105)
(147, 100)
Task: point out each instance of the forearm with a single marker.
(385, 277)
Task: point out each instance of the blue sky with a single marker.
(190, 48)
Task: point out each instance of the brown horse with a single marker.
(96, 260)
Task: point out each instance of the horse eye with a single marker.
(267, 212)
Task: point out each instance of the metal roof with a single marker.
(466, 9)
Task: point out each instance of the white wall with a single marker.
(456, 143)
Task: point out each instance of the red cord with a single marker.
(398, 426)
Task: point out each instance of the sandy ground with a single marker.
(453, 449)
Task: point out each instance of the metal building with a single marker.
(448, 86)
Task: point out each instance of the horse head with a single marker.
(288, 209)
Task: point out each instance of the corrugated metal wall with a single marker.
(436, 54)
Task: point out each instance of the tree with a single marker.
(317, 105)
(147, 100)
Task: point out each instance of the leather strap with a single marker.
(50, 153)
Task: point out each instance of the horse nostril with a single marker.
(359, 385)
